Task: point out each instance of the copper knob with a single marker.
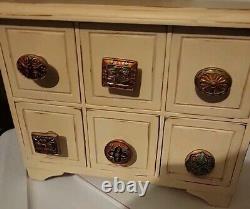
(46, 143)
(118, 152)
(119, 73)
(200, 162)
(213, 84)
(32, 66)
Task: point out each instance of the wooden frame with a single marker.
(234, 15)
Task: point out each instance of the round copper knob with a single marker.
(200, 162)
(32, 66)
(213, 84)
(118, 152)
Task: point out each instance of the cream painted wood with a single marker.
(196, 49)
(42, 174)
(207, 191)
(56, 43)
(221, 139)
(52, 102)
(213, 198)
(79, 62)
(142, 44)
(205, 117)
(149, 3)
(179, 12)
(128, 117)
(204, 191)
(138, 130)
(123, 109)
(64, 121)
(166, 68)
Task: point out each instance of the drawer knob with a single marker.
(119, 73)
(200, 162)
(32, 66)
(46, 143)
(118, 152)
(213, 84)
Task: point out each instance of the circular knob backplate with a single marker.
(118, 152)
(200, 162)
(213, 84)
(32, 66)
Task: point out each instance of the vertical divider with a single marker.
(82, 89)
(164, 98)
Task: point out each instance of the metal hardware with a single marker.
(200, 162)
(46, 143)
(118, 152)
(213, 84)
(32, 66)
(119, 73)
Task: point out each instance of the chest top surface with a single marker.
(219, 13)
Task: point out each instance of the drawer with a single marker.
(41, 61)
(201, 151)
(52, 134)
(209, 72)
(123, 143)
(123, 66)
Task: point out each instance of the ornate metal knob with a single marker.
(32, 66)
(119, 73)
(46, 143)
(200, 162)
(213, 84)
(118, 152)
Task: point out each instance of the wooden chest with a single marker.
(157, 92)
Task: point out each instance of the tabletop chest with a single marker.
(162, 102)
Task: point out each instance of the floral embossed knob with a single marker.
(32, 66)
(46, 143)
(213, 84)
(118, 152)
(200, 162)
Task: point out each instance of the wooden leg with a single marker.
(213, 198)
(42, 174)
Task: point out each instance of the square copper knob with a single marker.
(119, 73)
(46, 143)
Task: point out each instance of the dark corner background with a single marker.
(5, 116)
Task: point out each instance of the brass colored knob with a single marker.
(213, 84)
(46, 143)
(118, 152)
(119, 73)
(32, 66)
(200, 162)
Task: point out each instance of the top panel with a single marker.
(235, 4)
(160, 12)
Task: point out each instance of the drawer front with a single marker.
(201, 151)
(41, 61)
(134, 79)
(123, 143)
(52, 134)
(209, 73)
